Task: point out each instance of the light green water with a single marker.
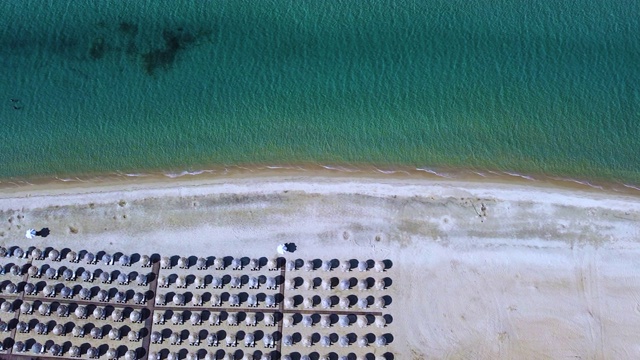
(536, 87)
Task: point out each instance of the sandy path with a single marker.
(540, 273)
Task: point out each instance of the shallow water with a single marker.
(526, 87)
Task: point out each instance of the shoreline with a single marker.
(514, 262)
(168, 179)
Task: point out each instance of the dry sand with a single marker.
(541, 272)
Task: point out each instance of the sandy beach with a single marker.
(480, 270)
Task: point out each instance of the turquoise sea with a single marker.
(526, 86)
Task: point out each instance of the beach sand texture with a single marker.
(479, 270)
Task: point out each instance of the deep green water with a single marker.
(535, 87)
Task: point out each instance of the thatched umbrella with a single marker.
(36, 254)
(252, 301)
(194, 338)
(133, 335)
(29, 289)
(50, 273)
(158, 317)
(236, 264)
(96, 333)
(363, 285)
(306, 341)
(249, 339)
(234, 300)
(380, 284)
(308, 303)
(289, 303)
(270, 301)
(325, 321)
(165, 262)
(287, 340)
(89, 258)
(125, 260)
(214, 319)
(112, 354)
(22, 327)
(123, 279)
(81, 312)
(135, 316)
(344, 321)
(58, 330)
(254, 265)
(218, 264)
(327, 265)
(54, 255)
(381, 341)
(41, 328)
(145, 261)
(62, 310)
(215, 300)
(199, 282)
(380, 321)
(161, 299)
(141, 279)
(291, 265)
(379, 266)
(267, 339)
(269, 320)
(114, 334)
(178, 299)
(343, 341)
(177, 318)
(183, 263)
(363, 303)
(139, 298)
(162, 281)
(174, 338)
(130, 355)
(43, 309)
(326, 303)
(380, 303)
(181, 281)
(308, 265)
(201, 264)
(345, 303)
(104, 277)
(345, 284)
(19, 347)
(103, 295)
(85, 294)
(120, 297)
(33, 271)
(93, 353)
(216, 282)
(363, 342)
(272, 264)
(210, 356)
(232, 319)
(307, 321)
(212, 339)
(362, 265)
(345, 266)
(100, 313)
(173, 356)
(117, 315)
(325, 341)
(362, 321)
(235, 282)
(250, 320)
(288, 321)
(196, 300)
(37, 348)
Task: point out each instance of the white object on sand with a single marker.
(30, 233)
(282, 248)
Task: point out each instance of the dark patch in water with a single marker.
(128, 28)
(97, 49)
(163, 58)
